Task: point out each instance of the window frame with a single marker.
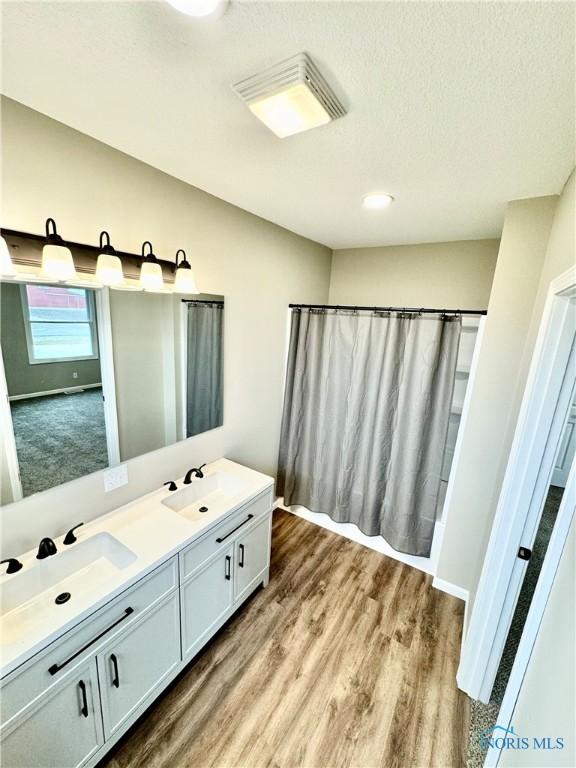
(91, 322)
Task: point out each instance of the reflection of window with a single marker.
(60, 323)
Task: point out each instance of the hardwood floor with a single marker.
(347, 658)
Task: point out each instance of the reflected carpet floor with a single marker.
(483, 716)
(59, 438)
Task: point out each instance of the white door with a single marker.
(566, 451)
(205, 599)
(252, 558)
(61, 729)
(137, 662)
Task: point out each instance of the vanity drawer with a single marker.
(224, 533)
(62, 656)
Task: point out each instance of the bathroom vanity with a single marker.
(148, 585)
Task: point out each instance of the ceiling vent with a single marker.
(290, 97)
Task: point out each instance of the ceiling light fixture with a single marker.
(290, 97)
(57, 261)
(200, 8)
(151, 270)
(377, 202)
(184, 281)
(7, 268)
(108, 267)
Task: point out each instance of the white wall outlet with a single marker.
(115, 477)
(75, 375)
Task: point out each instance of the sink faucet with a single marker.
(46, 548)
(196, 471)
(13, 565)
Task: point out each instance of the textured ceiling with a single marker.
(454, 108)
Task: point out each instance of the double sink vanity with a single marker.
(91, 635)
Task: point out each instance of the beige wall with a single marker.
(52, 170)
(547, 699)
(454, 275)
(537, 244)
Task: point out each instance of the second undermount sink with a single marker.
(208, 495)
(29, 597)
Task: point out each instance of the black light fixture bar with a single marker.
(416, 310)
(95, 249)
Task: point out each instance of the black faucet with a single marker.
(196, 471)
(71, 537)
(171, 485)
(13, 565)
(46, 548)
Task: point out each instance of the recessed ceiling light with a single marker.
(200, 8)
(290, 97)
(377, 202)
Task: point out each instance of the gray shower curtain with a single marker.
(204, 369)
(366, 411)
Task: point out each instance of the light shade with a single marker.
(185, 282)
(7, 268)
(151, 277)
(291, 111)
(377, 202)
(57, 263)
(200, 8)
(109, 270)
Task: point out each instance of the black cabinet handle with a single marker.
(223, 538)
(241, 560)
(84, 707)
(228, 574)
(115, 675)
(57, 667)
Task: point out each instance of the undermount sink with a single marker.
(210, 494)
(28, 597)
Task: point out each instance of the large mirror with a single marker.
(93, 377)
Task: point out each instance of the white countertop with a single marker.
(148, 528)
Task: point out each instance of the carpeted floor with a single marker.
(59, 438)
(483, 716)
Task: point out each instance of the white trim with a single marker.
(450, 589)
(8, 439)
(537, 609)
(183, 370)
(543, 414)
(104, 325)
(61, 390)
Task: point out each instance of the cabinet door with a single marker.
(132, 666)
(62, 728)
(252, 558)
(205, 599)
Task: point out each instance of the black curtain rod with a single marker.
(84, 246)
(421, 310)
(202, 301)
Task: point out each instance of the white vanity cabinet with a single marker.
(62, 727)
(251, 558)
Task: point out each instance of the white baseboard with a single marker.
(450, 589)
(67, 390)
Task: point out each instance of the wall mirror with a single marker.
(92, 377)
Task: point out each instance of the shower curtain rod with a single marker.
(423, 310)
(202, 301)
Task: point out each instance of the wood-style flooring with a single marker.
(347, 658)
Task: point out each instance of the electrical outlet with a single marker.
(75, 375)
(115, 477)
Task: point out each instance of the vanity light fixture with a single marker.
(377, 202)
(290, 97)
(184, 281)
(57, 261)
(108, 267)
(200, 8)
(151, 270)
(7, 268)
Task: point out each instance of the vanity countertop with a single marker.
(140, 535)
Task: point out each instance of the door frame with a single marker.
(104, 325)
(9, 440)
(542, 418)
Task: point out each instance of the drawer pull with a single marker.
(57, 667)
(241, 560)
(84, 707)
(115, 675)
(223, 538)
(227, 573)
